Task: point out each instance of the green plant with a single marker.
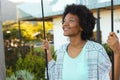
(34, 64)
(12, 77)
(21, 75)
(33, 61)
(9, 71)
(108, 50)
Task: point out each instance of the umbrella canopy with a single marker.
(32, 10)
(55, 7)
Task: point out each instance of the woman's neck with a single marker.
(77, 42)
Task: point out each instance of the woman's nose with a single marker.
(65, 23)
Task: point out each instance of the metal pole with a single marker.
(112, 17)
(20, 39)
(112, 25)
(98, 26)
(19, 31)
(44, 38)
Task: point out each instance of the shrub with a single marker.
(21, 75)
(108, 50)
(34, 64)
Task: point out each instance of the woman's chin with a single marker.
(65, 34)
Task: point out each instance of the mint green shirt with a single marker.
(98, 62)
(75, 68)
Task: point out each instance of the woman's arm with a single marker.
(51, 62)
(114, 44)
(46, 46)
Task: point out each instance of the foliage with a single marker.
(27, 29)
(21, 75)
(12, 35)
(9, 71)
(32, 63)
(39, 50)
(10, 60)
(108, 50)
(11, 77)
(33, 60)
(11, 56)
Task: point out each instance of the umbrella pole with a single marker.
(44, 38)
(112, 31)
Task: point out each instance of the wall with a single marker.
(105, 23)
(59, 39)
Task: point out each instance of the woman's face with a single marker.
(71, 26)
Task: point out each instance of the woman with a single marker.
(114, 44)
(80, 59)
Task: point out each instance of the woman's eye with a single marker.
(71, 20)
(68, 21)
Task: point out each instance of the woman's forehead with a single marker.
(71, 16)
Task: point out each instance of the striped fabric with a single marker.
(98, 62)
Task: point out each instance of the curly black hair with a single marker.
(86, 18)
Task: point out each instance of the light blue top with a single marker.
(75, 68)
(98, 62)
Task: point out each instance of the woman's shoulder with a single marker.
(94, 45)
(62, 48)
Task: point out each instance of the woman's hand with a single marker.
(113, 42)
(46, 46)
